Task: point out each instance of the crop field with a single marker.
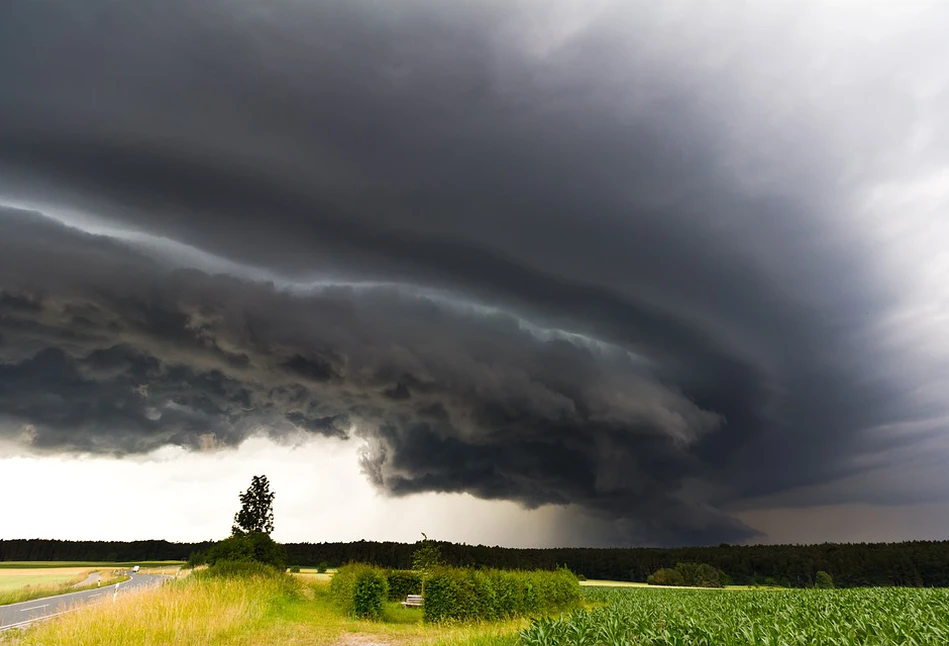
(642, 616)
(15, 578)
(89, 565)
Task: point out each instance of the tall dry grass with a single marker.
(249, 611)
(198, 610)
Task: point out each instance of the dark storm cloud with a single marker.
(446, 400)
(598, 290)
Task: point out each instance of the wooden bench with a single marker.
(414, 601)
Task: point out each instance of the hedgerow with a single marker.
(403, 583)
(456, 593)
(360, 590)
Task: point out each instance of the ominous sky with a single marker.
(598, 273)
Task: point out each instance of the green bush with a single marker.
(234, 569)
(370, 594)
(665, 576)
(823, 580)
(195, 559)
(441, 596)
(403, 583)
(255, 546)
(295, 569)
(459, 593)
(699, 575)
(360, 590)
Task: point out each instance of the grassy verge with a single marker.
(201, 609)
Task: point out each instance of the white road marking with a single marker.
(45, 605)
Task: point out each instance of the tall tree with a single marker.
(426, 558)
(256, 514)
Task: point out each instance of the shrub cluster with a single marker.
(360, 590)
(699, 575)
(243, 569)
(454, 593)
(252, 573)
(253, 547)
(402, 583)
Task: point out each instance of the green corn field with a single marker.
(648, 616)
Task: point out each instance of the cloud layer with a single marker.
(584, 256)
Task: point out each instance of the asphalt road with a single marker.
(21, 614)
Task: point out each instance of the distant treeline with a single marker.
(917, 563)
(36, 549)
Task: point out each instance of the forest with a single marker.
(916, 563)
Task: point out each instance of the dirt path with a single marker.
(89, 580)
(357, 639)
